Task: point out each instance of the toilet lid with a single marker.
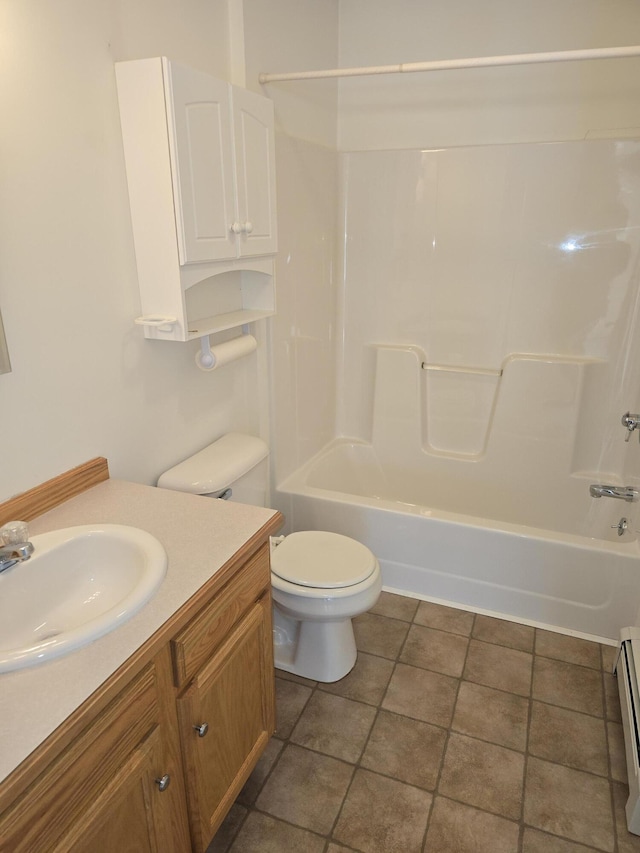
(322, 560)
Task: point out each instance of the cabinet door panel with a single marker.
(255, 172)
(202, 164)
(52, 804)
(233, 695)
(124, 818)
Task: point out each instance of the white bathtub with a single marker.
(570, 583)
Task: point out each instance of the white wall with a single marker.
(466, 107)
(84, 380)
(284, 35)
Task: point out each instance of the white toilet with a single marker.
(320, 581)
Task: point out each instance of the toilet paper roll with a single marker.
(221, 354)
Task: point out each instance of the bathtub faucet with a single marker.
(630, 422)
(625, 493)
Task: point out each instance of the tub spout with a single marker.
(625, 493)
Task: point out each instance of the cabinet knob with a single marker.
(241, 227)
(202, 729)
(163, 782)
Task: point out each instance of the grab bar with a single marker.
(457, 368)
(625, 493)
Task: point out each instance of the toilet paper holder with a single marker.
(211, 357)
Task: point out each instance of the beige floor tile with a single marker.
(334, 726)
(408, 750)
(454, 828)
(421, 694)
(382, 815)
(535, 841)
(569, 649)
(223, 839)
(499, 667)
(503, 633)
(568, 685)
(260, 772)
(627, 842)
(437, 650)
(290, 701)
(262, 834)
(291, 676)
(493, 715)
(617, 757)
(379, 635)
(393, 716)
(395, 606)
(567, 737)
(366, 682)
(306, 789)
(569, 803)
(484, 775)
(444, 618)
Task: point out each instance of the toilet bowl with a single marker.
(319, 580)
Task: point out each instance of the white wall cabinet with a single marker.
(200, 166)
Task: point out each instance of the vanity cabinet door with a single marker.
(100, 793)
(130, 813)
(226, 717)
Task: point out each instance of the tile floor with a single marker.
(454, 733)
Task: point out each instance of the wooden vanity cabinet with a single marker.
(130, 772)
(226, 712)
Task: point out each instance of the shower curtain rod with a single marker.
(449, 64)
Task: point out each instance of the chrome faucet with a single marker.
(12, 554)
(14, 544)
(630, 422)
(625, 493)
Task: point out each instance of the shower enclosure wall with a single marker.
(487, 335)
(489, 347)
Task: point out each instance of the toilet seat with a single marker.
(321, 560)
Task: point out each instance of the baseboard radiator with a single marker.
(627, 670)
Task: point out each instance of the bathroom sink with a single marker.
(80, 583)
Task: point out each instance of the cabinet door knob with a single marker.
(248, 227)
(163, 782)
(202, 729)
(236, 228)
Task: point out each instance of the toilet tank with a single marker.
(236, 461)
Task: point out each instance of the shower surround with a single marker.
(489, 348)
(509, 272)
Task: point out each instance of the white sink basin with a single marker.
(80, 583)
